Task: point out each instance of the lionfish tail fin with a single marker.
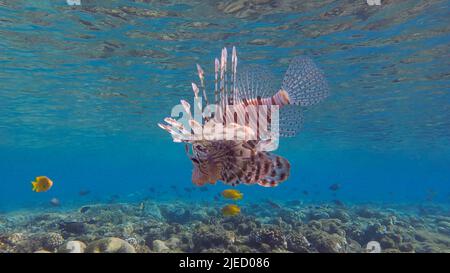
(305, 82)
(279, 171)
(249, 166)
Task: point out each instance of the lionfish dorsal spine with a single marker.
(195, 90)
(233, 74)
(201, 75)
(223, 69)
(216, 81)
(187, 108)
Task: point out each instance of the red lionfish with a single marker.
(246, 160)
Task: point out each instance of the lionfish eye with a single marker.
(195, 160)
(200, 148)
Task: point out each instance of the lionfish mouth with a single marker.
(234, 134)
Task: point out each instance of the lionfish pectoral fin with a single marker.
(213, 172)
(187, 151)
(198, 178)
(212, 182)
(304, 82)
(204, 173)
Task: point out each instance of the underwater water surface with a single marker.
(83, 87)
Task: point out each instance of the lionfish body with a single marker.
(245, 158)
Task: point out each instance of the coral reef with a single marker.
(272, 237)
(73, 247)
(53, 240)
(183, 227)
(297, 242)
(110, 245)
(211, 236)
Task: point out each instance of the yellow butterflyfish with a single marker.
(231, 210)
(232, 194)
(42, 184)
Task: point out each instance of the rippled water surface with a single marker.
(82, 88)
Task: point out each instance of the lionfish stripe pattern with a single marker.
(246, 161)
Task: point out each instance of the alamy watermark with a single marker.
(237, 122)
(374, 2)
(73, 2)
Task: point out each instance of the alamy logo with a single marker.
(73, 2)
(238, 122)
(374, 2)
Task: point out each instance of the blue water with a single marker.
(82, 89)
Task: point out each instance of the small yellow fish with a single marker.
(232, 194)
(42, 184)
(231, 210)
